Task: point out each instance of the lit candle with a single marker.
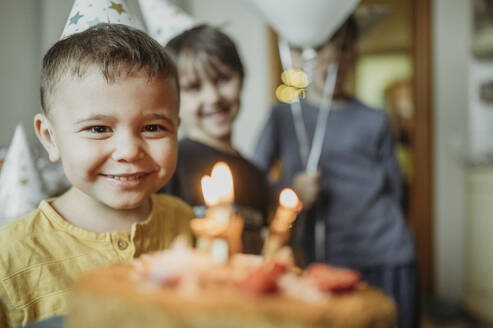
(220, 231)
(279, 232)
(289, 206)
(218, 192)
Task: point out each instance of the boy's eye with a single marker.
(154, 128)
(224, 77)
(191, 87)
(99, 129)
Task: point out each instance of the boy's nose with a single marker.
(127, 149)
(211, 93)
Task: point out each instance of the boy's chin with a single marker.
(219, 132)
(126, 204)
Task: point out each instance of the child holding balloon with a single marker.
(346, 174)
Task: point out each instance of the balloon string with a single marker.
(322, 117)
(299, 124)
(316, 150)
(325, 106)
(311, 155)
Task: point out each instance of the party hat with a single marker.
(87, 13)
(164, 20)
(21, 188)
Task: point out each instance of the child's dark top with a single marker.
(251, 192)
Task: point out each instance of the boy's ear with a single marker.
(45, 134)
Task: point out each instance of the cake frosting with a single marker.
(185, 287)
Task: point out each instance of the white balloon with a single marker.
(305, 23)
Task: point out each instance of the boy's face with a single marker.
(210, 97)
(117, 141)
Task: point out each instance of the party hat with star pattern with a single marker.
(87, 13)
(21, 187)
(164, 20)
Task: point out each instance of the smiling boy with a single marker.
(110, 114)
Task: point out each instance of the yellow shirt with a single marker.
(42, 254)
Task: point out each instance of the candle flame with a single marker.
(218, 188)
(223, 179)
(211, 196)
(288, 198)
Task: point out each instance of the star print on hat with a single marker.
(165, 20)
(21, 187)
(87, 13)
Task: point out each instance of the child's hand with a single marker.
(306, 187)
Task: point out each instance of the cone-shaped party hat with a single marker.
(21, 188)
(164, 20)
(87, 13)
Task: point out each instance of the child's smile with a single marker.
(128, 181)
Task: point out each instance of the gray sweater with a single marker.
(360, 183)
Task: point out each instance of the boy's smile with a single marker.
(117, 140)
(127, 181)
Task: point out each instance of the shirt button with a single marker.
(122, 244)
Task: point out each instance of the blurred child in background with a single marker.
(211, 78)
(357, 190)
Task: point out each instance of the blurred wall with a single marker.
(19, 66)
(451, 43)
(54, 14)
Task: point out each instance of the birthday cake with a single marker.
(215, 285)
(184, 287)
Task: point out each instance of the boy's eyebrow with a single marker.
(159, 116)
(96, 117)
(101, 117)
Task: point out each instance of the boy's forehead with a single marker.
(192, 66)
(189, 63)
(73, 89)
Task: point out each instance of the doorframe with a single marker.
(421, 190)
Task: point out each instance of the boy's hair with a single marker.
(205, 39)
(115, 49)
